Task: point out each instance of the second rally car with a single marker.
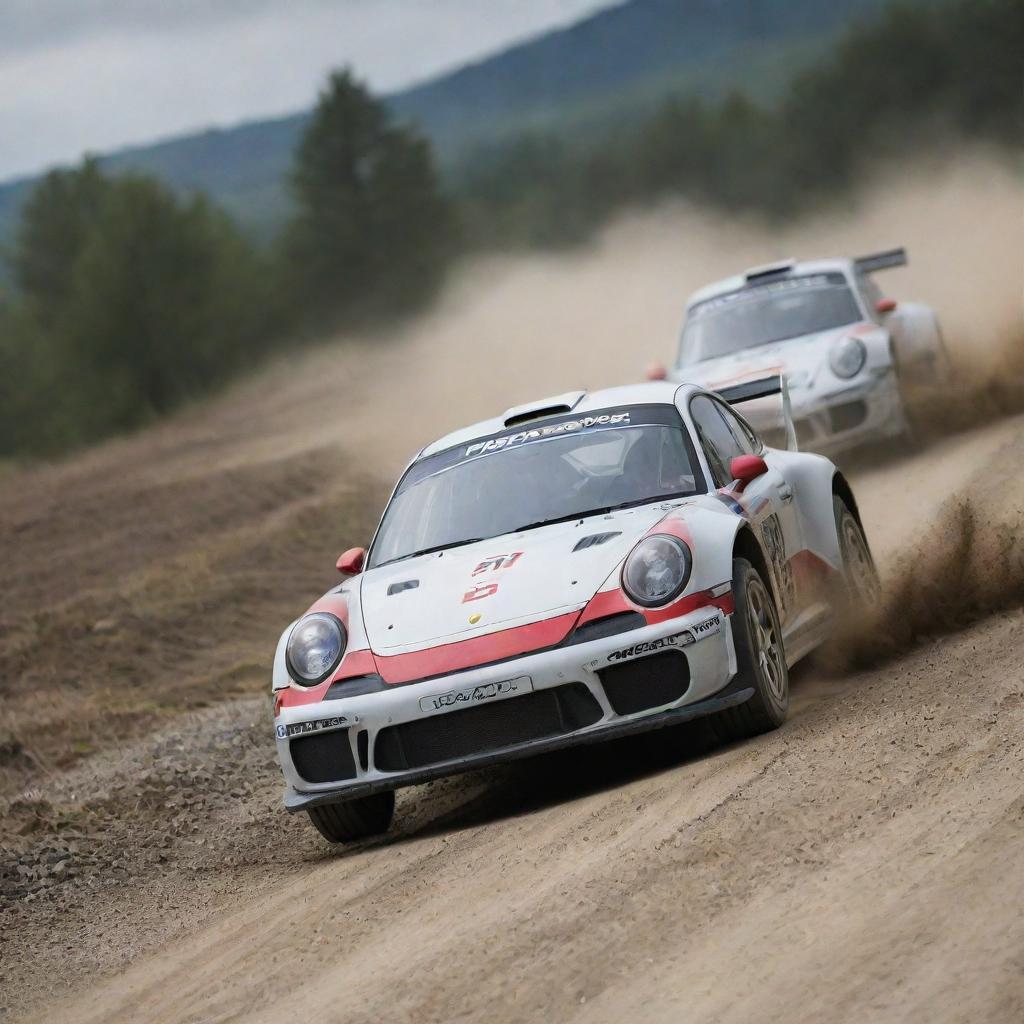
(576, 569)
(850, 355)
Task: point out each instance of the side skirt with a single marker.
(809, 630)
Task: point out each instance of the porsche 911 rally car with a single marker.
(576, 569)
(848, 353)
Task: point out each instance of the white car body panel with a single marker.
(538, 588)
(543, 579)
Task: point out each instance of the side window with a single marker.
(743, 432)
(870, 294)
(716, 437)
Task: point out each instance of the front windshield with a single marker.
(516, 480)
(766, 313)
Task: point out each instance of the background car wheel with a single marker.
(761, 660)
(354, 819)
(861, 585)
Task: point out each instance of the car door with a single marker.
(767, 501)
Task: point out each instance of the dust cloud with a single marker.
(513, 328)
(967, 566)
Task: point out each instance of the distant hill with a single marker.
(600, 68)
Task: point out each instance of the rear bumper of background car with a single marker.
(643, 679)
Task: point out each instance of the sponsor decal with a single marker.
(479, 592)
(689, 636)
(755, 291)
(476, 694)
(302, 728)
(729, 500)
(650, 646)
(540, 433)
(496, 562)
(707, 627)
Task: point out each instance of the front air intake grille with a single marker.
(505, 723)
(355, 686)
(324, 757)
(847, 416)
(646, 683)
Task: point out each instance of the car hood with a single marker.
(800, 358)
(507, 581)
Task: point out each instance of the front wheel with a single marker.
(760, 657)
(355, 819)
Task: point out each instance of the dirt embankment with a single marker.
(859, 863)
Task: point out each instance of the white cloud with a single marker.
(91, 75)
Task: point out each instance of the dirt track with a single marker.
(863, 863)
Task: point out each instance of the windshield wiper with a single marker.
(650, 500)
(435, 548)
(563, 519)
(601, 511)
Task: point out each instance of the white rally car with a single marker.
(848, 353)
(576, 569)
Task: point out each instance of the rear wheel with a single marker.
(861, 585)
(760, 657)
(354, 819)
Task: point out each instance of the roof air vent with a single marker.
(554, 406)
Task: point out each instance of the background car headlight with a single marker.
(848, 357)
(656, 570)
(315, 647)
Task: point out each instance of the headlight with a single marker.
(315, 648)
(848, 357)
(656, 570)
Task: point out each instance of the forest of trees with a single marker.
(913, 81)
(129, 299)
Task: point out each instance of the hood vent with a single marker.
(397, 588)
(594, 539)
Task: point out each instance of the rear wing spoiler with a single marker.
(881, 260)
(751, 390)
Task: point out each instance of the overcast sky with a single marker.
(79, 75)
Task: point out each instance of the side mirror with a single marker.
(656, 371)
(351, 563)
(885, 305)
(745, 468)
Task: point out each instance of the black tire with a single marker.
(355, 819)
(861, 587)
(762, 668)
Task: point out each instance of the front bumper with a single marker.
(364, 727)
(835, 420)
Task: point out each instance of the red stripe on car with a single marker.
(478, 650)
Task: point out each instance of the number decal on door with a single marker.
(775, 545)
